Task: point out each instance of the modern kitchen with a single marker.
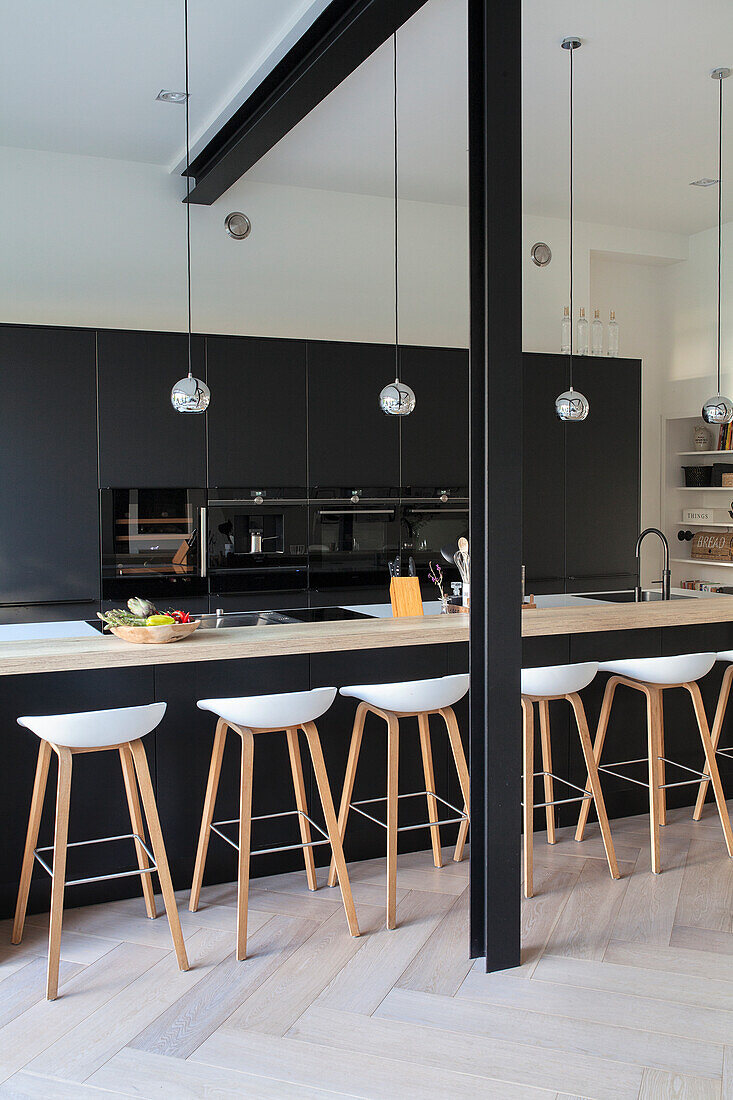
(365, 623)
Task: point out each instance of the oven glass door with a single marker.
(352, 544)
(152, 532)
(426, 529)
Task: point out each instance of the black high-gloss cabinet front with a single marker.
(258, 414)
(603, 469)
(435, 435)
(543, 473)
(49, 534)
(350, 440)
(143, 441)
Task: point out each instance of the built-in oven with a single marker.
(431, 523)
(353, 535)
(153, 546)
(256, 539)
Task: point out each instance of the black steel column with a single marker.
(495, 185)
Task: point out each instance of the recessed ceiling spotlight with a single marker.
(166, 96)
(704, 182)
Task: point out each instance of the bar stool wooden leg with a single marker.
(296, 767)
(245, 837)
(319, 767)
(31, 839)
(348, 788)
(595, 783)
(654, 709)
(393, 766)
(428, 771)
(712, 764)
(528, 784)
(156, 839)
(459, 757)
(544, 708)
(212, 786)
(597, 749)
(136, 820)
(715, 736)
(60, 839)
(662, 765)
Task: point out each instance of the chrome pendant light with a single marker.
(189, 395)
(571, 405)
(396, 399)
(719, 409)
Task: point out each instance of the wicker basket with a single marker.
(697, 477)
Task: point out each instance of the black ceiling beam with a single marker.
(346, 33)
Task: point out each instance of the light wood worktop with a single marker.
(626, 616)
(228, 644)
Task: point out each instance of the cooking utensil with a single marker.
(411, 567)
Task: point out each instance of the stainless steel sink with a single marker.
(627, 595)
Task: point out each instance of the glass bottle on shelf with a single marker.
(613, 335)
(582, 333)
(566, 333)
(596, 334)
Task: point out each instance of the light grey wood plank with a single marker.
(728, 1074)
(369, 1073)
(706, 896)
(224, 919)
(657, 1085)
(427, 879)
(278, 1001)
(577, 1002)
(483, 1056)
(192, 1018)
(22, 989)
(121, 921)
(27, 1086)
(584, 1038)
(638, 978)
(371, 973)
(591, 847)
(443, 962)
(540, 914)
(702, 939)
(586, 922)
(75, 947)
(155, 1076)
(79, 1052)
(40, 1026)
(678, 960)
(647, 911)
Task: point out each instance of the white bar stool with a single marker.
(540, 685)
(95, 731)
(653, 676)
(247, 716)
(412, 699)
(725, 655)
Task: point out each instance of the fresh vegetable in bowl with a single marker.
(140, 612)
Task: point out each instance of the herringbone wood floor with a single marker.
(625, 991)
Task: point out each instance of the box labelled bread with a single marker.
(713, 545)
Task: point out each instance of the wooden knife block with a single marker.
(404, 592)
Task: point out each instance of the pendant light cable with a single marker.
(571, 51)
(396, 217)
(188, 186)
(720, 208)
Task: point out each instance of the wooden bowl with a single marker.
(168, 632)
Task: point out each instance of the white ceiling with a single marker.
(81, 76)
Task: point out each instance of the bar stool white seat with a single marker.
(652, 676)
(255, 714)
(725, 655)
(540, 685)
(390, 702)
(95, 731)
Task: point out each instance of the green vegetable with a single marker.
(140, 607)
(119, 617)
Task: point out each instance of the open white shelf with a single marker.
(702, 454)
(696, 523)
(706, 564)
(706, 488)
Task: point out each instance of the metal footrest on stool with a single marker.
(645, 782)
(727, 751)
(266, 817)
(413, 794)
(566, 783)
(101, 878)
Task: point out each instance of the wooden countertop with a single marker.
(229, 644)
(626, 616)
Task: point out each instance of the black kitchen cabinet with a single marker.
(49, 537)
(603, 469)
(435, 435)
(144, 442)
(543, 473)
(350, 440)
(258, 416)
